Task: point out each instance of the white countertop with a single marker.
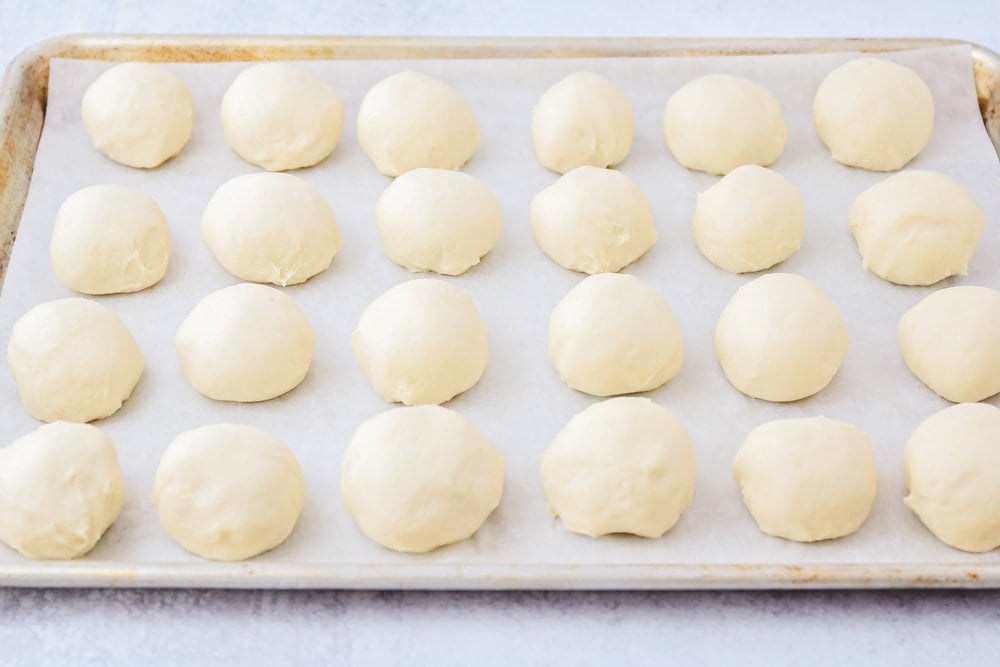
(262, 627)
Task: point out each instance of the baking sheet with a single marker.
(520, 402)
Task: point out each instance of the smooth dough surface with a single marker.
(423, 341)
(780, 338)
(584, 119)
(807, 479)
(614, 334)
(593, 220)
(437, 220)
(138, 114)
(228, 491)
(750, 220)
(73, 360)
(60, 490)
(952, 472)
(271, 228)
(418, 478)
(718, 122)
(916, 227)
(873, 114)
(411, 120)
(245, 343)
(625, 465)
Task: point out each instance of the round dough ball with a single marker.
(281, 117)
(718, 122)
(270, 228)
(807, 479)
(245, 343)
(73, 360)
(916, 227)
(418, 478)
(951, 341)
(614, 334)
(228, 491)
(593, 220)
(584, 119)
(60, 489)
(110, 239)
(780, 338)
(138, 114)
(423, 341)
(411, 120)
(437, 220)
(873, 114)
(625, 465)
(749, 221)
(952, 472)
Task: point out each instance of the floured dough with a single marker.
(625, 465)
(228, 491)
(418, 478)
(245, 343)
(422, 341)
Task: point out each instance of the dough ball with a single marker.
(245, 343)
(624, 465)
(418, 478)
(228, 491)
(952, 471)
(423, 341)
(873, 114)
(593, 220)
(749, 221)
(614, 334)
(270, 228)
(138, 114)
(807, 479)
(60, 489)
(411, 120)
(437, 220)
(780, 338)
(916, 227)
(281, 117)
(109, 239)
(584, 119)
(718, 122)
(951, 341)
(73, 360)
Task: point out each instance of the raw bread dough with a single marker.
(625, 465)
(614, 334)
(718, 122)
(593, 220)
(60, 489)
(281, 117)
(422, 341)
(418, 478)
(807, 479)
(749, 221)
(584, 119)
(109, 239)
(780, 338)
(411, 120)
(952, 471)
(245, 343)
(951, 341)
(270, 228)
(228, 491)
(916, 227)
(437, 220)
(73, 360)
(138, 114)
(873, 114)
